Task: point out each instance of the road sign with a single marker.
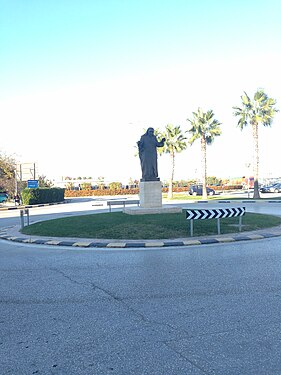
(214, 213)
(26, 171)
(218, 213)
(32, 184)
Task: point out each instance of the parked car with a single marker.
(198, 190)
(3, 197)
(274, 188)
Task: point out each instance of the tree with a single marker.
(69, 185)
(44, 182)
(100, 182)
(204, 127)
(175, 143)
(115, 185)
(7, 174)
(259, 111)
(86, 186)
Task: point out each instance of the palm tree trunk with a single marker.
(256, 160)
(170, 190)
(204, 167)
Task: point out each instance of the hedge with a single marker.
(42, 195)
(99, 192)
(103, 192)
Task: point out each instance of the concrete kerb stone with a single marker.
(13, 234)
(22, 207)
(12, 207)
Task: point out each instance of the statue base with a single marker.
(151, 201)
(150, 194)
(166, 209)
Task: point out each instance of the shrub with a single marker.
(115, 185)
(42, 195)
(133, 191)
(100, 192)
(86, 186)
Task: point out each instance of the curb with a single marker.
(239, 201)
(31, 206)
(119, 244)
(5, 208)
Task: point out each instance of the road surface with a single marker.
(197, 310)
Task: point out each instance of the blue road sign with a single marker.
(32, 184)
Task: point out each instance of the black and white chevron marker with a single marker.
(218, 213)
(214, 213)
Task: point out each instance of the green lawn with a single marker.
(117, 225)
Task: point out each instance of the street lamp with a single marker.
(248, 165)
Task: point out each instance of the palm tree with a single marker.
(260, 110)
(204, 127)
(175, 143)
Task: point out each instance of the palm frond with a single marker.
(204, 125)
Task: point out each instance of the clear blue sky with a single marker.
(81, 79)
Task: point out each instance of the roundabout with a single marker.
(13, 234)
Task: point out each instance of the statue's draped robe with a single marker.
(148, 156)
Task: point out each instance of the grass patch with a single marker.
(117, 225)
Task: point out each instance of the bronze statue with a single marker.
(148, 155)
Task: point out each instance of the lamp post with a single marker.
(248, 165)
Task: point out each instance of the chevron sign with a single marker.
(218, 213)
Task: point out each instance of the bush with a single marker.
(176, 189)
(42, 195)
(115, 185)
(232, 187)
(100, 192)
(86, 186)
(133, 191)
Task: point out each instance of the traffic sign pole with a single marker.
(191, 228)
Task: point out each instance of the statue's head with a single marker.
(150, 131)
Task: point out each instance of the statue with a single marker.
(148, 155)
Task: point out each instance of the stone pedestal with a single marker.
(151, 201)
(150, 194)
(167, 209)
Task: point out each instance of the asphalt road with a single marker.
(199, 310)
